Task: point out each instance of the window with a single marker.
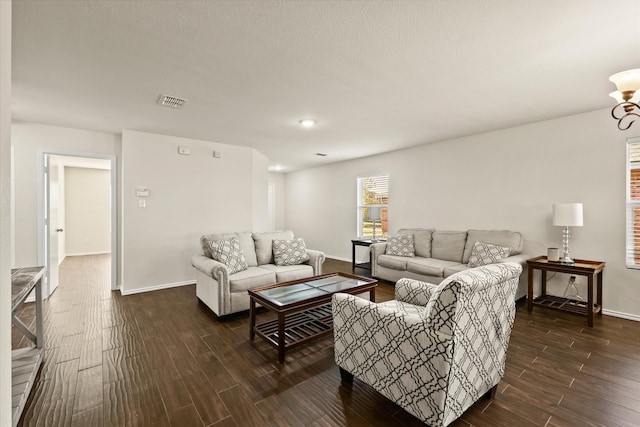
(633, 203)
(373, 199)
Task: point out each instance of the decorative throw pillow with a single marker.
(486, 253)
(401, 245)
(229, 253)
(289, 252)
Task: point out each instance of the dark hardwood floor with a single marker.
(162, 359)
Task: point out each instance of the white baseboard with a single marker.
(88, 253)
(60, 260)
(156, 287)
(340, 258)
(627, 316)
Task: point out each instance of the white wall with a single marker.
(189, 196)
(88, 211)
(5, 213)
(30, 140)
(260, 180)
(277, 180)
(506, 179)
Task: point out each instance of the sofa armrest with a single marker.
(414, 291)
(316, 258)
(518, 259)
(212, 268)
(376, 250)
(404, 353)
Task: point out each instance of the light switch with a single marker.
(142, 203)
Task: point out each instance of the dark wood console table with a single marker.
(592, 269)
(25, 362)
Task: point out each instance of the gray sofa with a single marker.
(439, 254)
(226, 293)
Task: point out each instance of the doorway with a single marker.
(67, 226)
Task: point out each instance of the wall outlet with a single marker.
(217, 154)
(185, 151)
(142, 203)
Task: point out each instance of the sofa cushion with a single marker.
(400, 246)
(264, 246)
(421, 240)
(289, 252)
(486, 253)
(429, 266)
(511, 239)
(251, 278)
(448, 271)
(229, 253)
(448, 245)
(393, 261)
(246, 243)
(286, 273)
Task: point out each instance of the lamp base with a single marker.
(567, 261)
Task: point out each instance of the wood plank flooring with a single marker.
(162, 359)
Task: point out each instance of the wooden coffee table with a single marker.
(303, 307)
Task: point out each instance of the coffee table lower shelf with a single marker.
(299, 328)
(564, 304)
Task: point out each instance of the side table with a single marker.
(362, 242)
(593, 270)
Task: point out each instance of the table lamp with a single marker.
(374, 215)
(567, 215)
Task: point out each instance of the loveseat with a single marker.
(439, 254)
(231, 263)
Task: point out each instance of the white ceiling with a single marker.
(376, 75)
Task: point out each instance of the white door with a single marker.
(51, 211)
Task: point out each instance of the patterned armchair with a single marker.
(435, 349)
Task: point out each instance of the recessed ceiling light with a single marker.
(307, 123)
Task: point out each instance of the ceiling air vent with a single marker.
(171, 101)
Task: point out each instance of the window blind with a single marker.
(372, 206)
(633, 203)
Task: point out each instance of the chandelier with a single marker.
(627, 96)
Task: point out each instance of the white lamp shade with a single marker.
(627, 80)
(567, 214)
(374, 214)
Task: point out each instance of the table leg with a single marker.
(252, 318)
(543, 277)
(281, 337)
(372, 295)
(599, 292)
(39, 324)
(530, 290)
(353, 257)
(590, 301)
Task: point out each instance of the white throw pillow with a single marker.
(289, 252)
(487, 253)
(401, 245)
(229, 252)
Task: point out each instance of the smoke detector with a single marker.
(171, 101)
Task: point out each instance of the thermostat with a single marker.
(142, 192)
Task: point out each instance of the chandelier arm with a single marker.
(627, 107)
(630, 123)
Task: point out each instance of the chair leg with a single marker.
(346, 376)
(491, 393)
